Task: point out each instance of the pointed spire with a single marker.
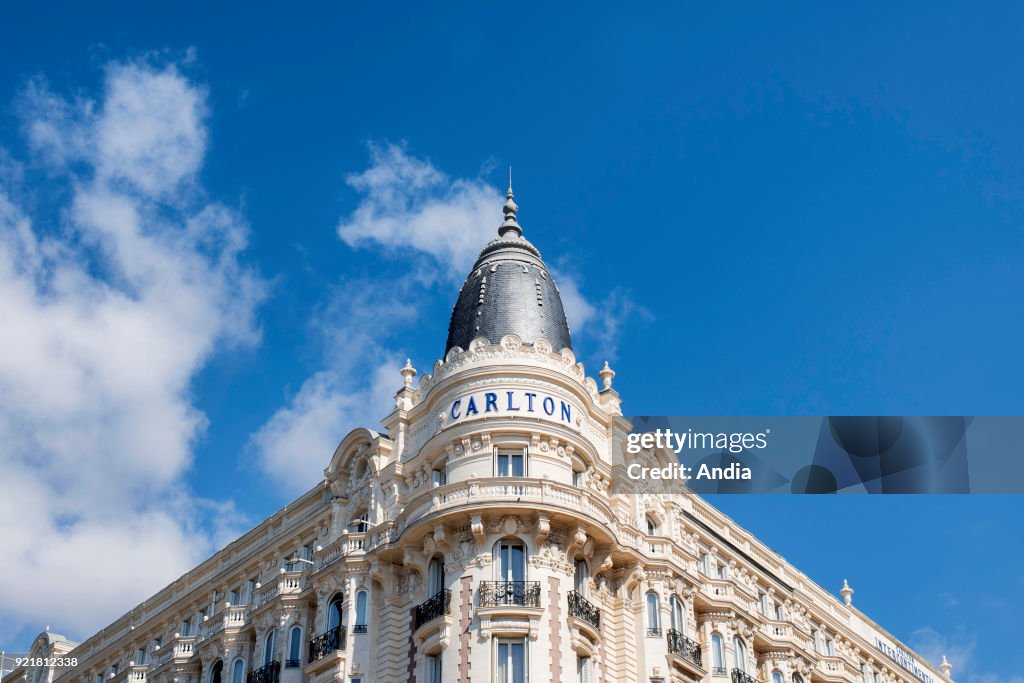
(510, 209)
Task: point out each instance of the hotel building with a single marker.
(484, 535)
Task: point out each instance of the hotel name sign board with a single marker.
(903, 658)
(505, 402)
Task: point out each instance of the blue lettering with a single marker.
(471, 407)
(529, 401)
(565, 412)
(491, 402)
(549, 405)
(511, 407)
(455, 409)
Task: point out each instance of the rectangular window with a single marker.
(439, 477)
(723, 570)
(511, 464)
(510, 662)
(583, 670)
(140, 656)
(780, 613)
(434, 669)
(704, 564)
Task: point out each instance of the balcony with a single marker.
(434, 607)
(580, 608)
(510, 593)
(719, 671)
(742, 677)
(292, 663)
(654, 632)
(360, 629)
(269, 673)
(326, 643)
(524, 492)
(680, 645)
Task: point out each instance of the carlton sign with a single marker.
(511, 402)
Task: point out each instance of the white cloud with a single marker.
(355, 386)
(409, 205)
(106, 321)
(959, 650)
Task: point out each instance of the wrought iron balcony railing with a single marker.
(742, 677)
(516, 593)
(719, 671)
(326, 643)
(292, 663)
(654, 632)
(679, 644)
(432, 608)
(359, 628)
(582, 609)
(269, 673)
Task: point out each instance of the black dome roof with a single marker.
(509, 291)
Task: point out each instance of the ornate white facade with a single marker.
(478, 537)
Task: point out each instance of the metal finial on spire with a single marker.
(510, 225)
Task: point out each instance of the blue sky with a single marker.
(221, 229)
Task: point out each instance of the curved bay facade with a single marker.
(478, 537)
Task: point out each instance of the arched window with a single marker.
(653, 614)
(334, 613)
(294, 648)
(776, 677)
(510, 560)
(238, 671)
(361, 599)
(581, 577)
(741, 653)
(435, 576)
(216, 671)
(717, 653)
(268, 648)
(678, 618)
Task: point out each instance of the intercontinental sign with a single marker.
(904, 659)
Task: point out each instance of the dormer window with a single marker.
(360, 522)
(652, 526)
